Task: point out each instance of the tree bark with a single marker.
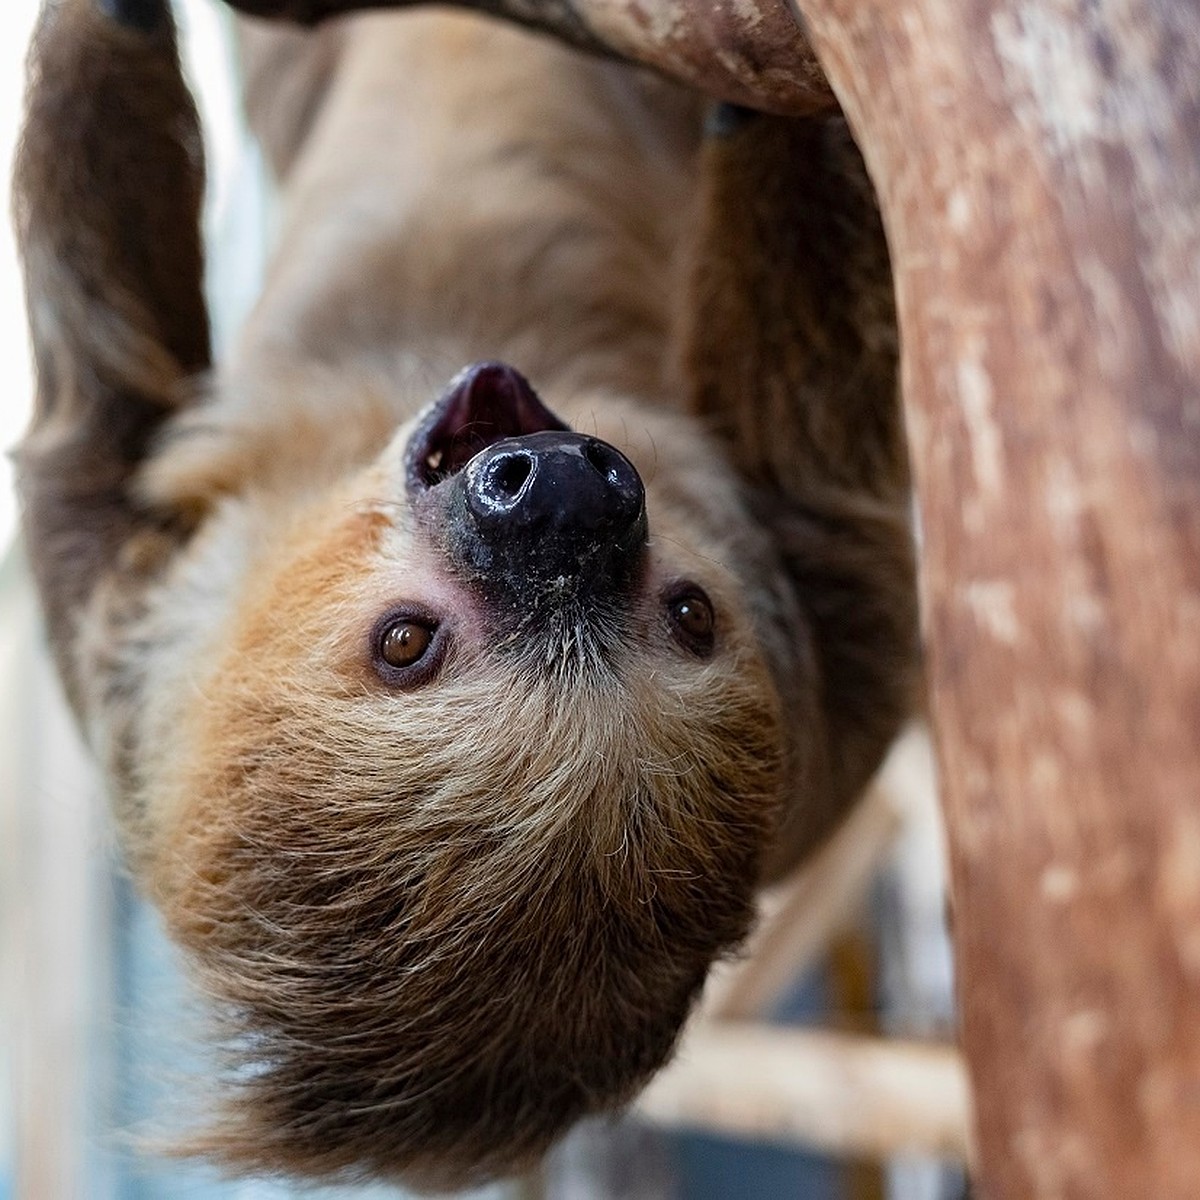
(1039, 172)
(752, 52)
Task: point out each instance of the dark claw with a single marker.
(143, 15)
(302, 12)
(726, 119)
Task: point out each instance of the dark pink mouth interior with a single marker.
(483, 404)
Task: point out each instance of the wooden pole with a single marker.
(1039, 173)
(845, 1094)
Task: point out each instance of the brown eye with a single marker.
(405, 643)
(408, 647)
(691, 615)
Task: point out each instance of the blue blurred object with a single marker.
(714, 1168)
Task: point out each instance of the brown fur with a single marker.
(442, 923)
(791, 266)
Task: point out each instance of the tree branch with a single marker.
(754, 53)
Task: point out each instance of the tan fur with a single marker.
(441, 923)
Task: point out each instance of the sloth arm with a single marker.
(107, 194)
(789, 353)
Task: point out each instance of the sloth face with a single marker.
(475, 792)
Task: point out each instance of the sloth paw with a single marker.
(144, 15)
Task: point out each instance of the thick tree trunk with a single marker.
(1039, 171)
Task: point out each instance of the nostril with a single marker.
(605, 459)
(510, 473)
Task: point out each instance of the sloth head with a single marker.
(475, 792)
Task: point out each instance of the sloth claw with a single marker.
(725, 119)
(143, 15)
(302, 12)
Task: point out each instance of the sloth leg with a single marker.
(107, 196)
(790, 354)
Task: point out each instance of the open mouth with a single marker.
(483, 404)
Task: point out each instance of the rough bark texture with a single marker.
(751, 52)
(1038, 168)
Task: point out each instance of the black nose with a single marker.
(552, 509)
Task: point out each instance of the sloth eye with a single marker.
(405, 643)
(691, 615)
(407, 649)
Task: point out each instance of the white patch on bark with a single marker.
(1085, 612)
(975, 394)
(1090, 88)
(1059, 884)
(1063, 499)
(1179, 885)
(993, 605)
(749, 13)
(1076, 712)
(666, 21)
(1065, 504)
(1049, 70)
(1046, 775)
(1084, 1030)
(1112, 315)
(960, 211)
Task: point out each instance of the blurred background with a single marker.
(16, 22)
(96, 1049)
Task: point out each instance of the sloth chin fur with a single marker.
(450, 724)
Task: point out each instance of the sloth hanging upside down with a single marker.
(530, 583)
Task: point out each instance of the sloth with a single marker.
(530, 581)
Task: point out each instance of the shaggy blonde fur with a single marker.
(441, 922)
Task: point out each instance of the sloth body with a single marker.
(450, 724)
